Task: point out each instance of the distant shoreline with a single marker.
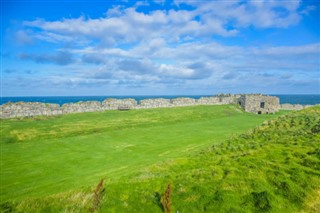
(307, 99)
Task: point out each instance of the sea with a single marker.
(290, 99)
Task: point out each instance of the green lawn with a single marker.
(45, 156)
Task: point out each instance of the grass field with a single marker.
(53, 164)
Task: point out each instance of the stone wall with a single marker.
(29, 109)
(82, 106)
(293, 106)
(155, 103)
(112, 103)
(209, 100)
(184, 102)
(228, 98)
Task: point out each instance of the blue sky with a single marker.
(158, 47)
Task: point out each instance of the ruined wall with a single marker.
(29, 109)
(252, 103)
(83, 106)
(183, 102)
(112, 103)
(228, 98)
(209, 100)
(154, 103)
(293, 106)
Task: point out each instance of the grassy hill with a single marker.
(159, 158)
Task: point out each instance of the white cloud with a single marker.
(203, 60)
(23, 37)
(126, 25)
(262, 14)
(284, 51)
(60, 58)
(173, 47)
(53, 37)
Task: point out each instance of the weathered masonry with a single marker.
(260, 104)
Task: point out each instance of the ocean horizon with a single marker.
(307, 99)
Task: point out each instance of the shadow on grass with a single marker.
(157, 200)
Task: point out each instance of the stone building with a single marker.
(258, 103)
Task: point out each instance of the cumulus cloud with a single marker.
(23, 37)
(136, 66)
(125, 25)
(52, 37)
(93, 58)
(146, 70)
(284, 51)
(261, 14)
(173, 47)
(229, 76)
(59, 58)
(202, 62)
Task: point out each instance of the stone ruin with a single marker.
(259, 104)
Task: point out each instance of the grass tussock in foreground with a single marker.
(272, 168)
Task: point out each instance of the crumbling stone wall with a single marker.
(154, 103)
(112, 103)
(250, 103)
(27, 109)
(260, 104)
(228, 98)
(208, 100)
(183, 102)
(293, 106)
(82, 106)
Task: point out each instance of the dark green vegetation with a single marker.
(55, 164)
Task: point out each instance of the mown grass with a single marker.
(274, 167)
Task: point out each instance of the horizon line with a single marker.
(150, 95)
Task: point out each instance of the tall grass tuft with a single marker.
(166, 200)
(98, 195)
